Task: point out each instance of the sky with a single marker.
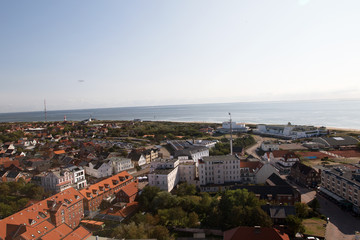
(114, 53)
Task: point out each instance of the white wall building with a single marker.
(219, 170)
(291, 131)
(99, 169)
(187, 171)
(57, 181)
(164, 174)
(121, 164)
(79, 180)
(269, 146)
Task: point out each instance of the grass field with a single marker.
(314, 226)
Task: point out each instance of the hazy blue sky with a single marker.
(131, 53)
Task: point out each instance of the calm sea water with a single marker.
(334, 113)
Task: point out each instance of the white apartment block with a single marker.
(343, 183)
(164, 174)
(219, 170)
(187, 171)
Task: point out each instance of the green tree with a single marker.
(185, 189)
(315, 205)
(302, 210)
(193, 220)
(294, 225)
(146, 197)
(159, 232)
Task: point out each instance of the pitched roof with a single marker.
(252, 165)
(104, 185)
(255, 233)
(57, 233)
(78, 234)
(130, 189)
(37, 217)
(278, 211)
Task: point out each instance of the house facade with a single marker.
(164, 174)
(305, 175)
(99, 169)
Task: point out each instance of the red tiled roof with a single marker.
(57, 233)
(37, 214)
(251, 165)
(59, 152)
(106, 184)
(254, 233)
(130, 189)
(78, 234)
(318, 155)
(347, 153)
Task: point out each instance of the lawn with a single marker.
(315, 226)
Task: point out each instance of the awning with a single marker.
(334, 196)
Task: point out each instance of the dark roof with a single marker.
(279, 211)
(304, 169)
(337, 141)
(276, 180)
(263, 191)
(255, 233)
(12, 174)
(189, 151)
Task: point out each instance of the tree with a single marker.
(294, 225)
(185, 189)
(159, 232)
(302, 210)
(193, 220)
(147, 195)
(163, 200)
(315, 205)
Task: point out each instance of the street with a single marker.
(342, 224)
(252, 150)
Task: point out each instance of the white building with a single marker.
(283, 160)
(219, 170)
(291, 131)
(57, 181)
(78, 176)
(187, 171)
(269, 146)
(164, 174)
(99, 169)
(195, 153)
(235, 127)
(121, 164)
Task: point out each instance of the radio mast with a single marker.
(231, 139)
(45, 110)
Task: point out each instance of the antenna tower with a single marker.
(45, 110)
(231, 138)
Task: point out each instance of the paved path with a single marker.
(252, 150)
(342, 225)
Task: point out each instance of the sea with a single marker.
(328, 113)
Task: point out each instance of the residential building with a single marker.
(342, 183)
(121, 164)
(290, 131)
(269, 146)
(187, 171)
(164, 174)
(57, 181)
(99, 169)
(279, 213)
(138, 159)
(78, 172)
(305, 175)
(281, 159)
(219, 170)
(60, 213)
(105, 190)
(255, 233)
(183, 148)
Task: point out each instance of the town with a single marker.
(169, 180)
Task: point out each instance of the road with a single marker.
(252, 150)
(342, 225)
